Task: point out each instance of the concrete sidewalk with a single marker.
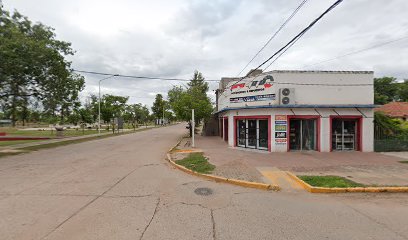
(365, 168)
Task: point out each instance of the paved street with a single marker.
(122, 188)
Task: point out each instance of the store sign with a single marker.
(256, 98)
(281, 129)
(280, 134)
(254, 86)
(280, 117)
(280, 140)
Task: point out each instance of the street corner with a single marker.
(280, 178)
(195, 162)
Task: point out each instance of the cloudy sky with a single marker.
(218, 37)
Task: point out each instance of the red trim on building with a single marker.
(359, 119)
(268, 117)
(317, 117)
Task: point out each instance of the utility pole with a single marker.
(99, 102)
(193, 127)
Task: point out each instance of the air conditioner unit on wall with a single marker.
(286, 96)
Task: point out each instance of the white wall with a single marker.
(304, 94)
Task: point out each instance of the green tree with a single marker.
(385, 90)
(112, 106)
(33, 67)
(198, 84)
(159, 106)
(136, 114)
(403, 91)
(182, 99)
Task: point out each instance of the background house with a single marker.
(395, 110)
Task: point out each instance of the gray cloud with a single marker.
(174, 38)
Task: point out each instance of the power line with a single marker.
(274, 35)
(326, 84)
(139, 77)
(283, 52)
(291, 42)
(355, 52)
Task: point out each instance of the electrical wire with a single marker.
(274, 35)
(294, 39)
(355, 52)
(283, 52)
(327, 84)
(139, 77)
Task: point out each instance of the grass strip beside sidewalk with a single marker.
(330, 181)
(196, 162)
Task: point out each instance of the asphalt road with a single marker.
(122, 188)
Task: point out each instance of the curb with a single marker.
(312, 189)
(241, 183)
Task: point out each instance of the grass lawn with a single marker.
(196, 162)
(330, 181)
(10, 143)
(70, 141)
(403, 161)
(47, 133)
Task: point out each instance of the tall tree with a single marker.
(112, 106)
(159, 106)
(33, 66)
(182, 99)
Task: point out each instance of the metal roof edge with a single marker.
(301, 106)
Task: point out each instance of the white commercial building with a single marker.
(281, 111)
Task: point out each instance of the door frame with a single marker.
(221, 126)
(316, 117)
(267, 117)
(225, 122)
(359, 119)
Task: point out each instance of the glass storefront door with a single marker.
(252, 133)
(241, 133)
(344, 134)
(302, 134)
(263, 134)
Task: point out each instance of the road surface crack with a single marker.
(129, 196)
(151, 219)
(213, 224)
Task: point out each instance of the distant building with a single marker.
(395, 110)
(281, 111)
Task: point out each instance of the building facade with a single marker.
(282, 111)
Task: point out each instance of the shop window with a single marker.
(344, 134)
(252, 133)
(302, 134)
